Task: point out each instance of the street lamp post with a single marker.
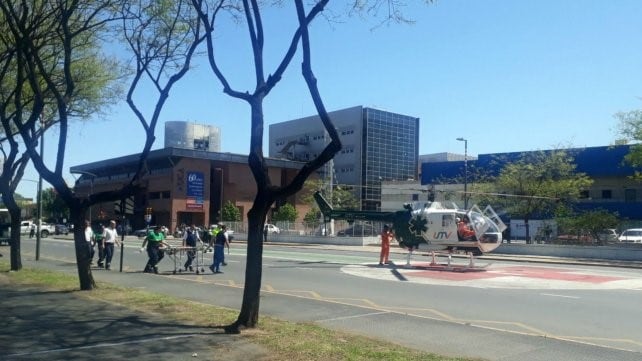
(39, 216)
(465, 170)
(42, 152)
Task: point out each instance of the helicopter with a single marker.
(431, 226)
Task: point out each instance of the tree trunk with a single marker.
(14, 212)
(249, 314)
(527, 229)
(83, 261)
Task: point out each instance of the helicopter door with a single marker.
(490, 213)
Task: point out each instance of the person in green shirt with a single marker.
(155, 242)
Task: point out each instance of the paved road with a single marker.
(343, 289)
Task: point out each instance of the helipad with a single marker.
(500, 276)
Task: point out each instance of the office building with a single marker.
(182, 186)
(377, 146)
(613, 188)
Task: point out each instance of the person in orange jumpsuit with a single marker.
(386, 236)
(464, 230)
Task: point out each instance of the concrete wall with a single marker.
(624, 252)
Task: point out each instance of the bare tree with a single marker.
(267, 193)
(163, 37)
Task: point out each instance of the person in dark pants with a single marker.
(189, 240)
(219, 249)
(110, 240)
(89, 238)
(155, 241)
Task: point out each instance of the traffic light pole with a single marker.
(122, 233)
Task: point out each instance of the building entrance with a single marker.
(189, 218)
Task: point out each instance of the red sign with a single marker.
(193, 203)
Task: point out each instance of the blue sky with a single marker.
(506, 75)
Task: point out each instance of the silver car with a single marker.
(607, 235)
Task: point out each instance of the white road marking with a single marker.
(354, 316)
(563, 296)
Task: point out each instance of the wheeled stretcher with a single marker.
(179, 255)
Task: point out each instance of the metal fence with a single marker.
(340, 228)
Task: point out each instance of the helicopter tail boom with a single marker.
(324, 206)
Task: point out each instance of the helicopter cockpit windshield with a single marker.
(487, 225)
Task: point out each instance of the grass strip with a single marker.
(285, 340)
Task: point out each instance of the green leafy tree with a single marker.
(53, 205)
(539, 183)
(588, 223)
(30, 71)
(285, 213)
(341, 197)
(312, 217)
(630, 129)
(478, 181)
(56, 51)
(230, 212)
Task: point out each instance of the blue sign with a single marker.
(196, 186)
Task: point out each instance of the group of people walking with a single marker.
(106, 239)
(215, 236)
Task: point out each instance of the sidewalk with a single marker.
(38, 324)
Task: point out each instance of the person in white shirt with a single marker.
(91, 241)
(110, 238)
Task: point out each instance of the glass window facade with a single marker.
(389, 152)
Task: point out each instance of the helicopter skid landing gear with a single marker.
(434, 262)
(408, 256)
(449, 265)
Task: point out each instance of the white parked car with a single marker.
(45, 229)
(270, 228)
(633, 235)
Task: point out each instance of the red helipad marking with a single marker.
(558, 274)
(526, 272)
(456, 273)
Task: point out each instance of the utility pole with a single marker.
(465, 170)
(39, 197)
